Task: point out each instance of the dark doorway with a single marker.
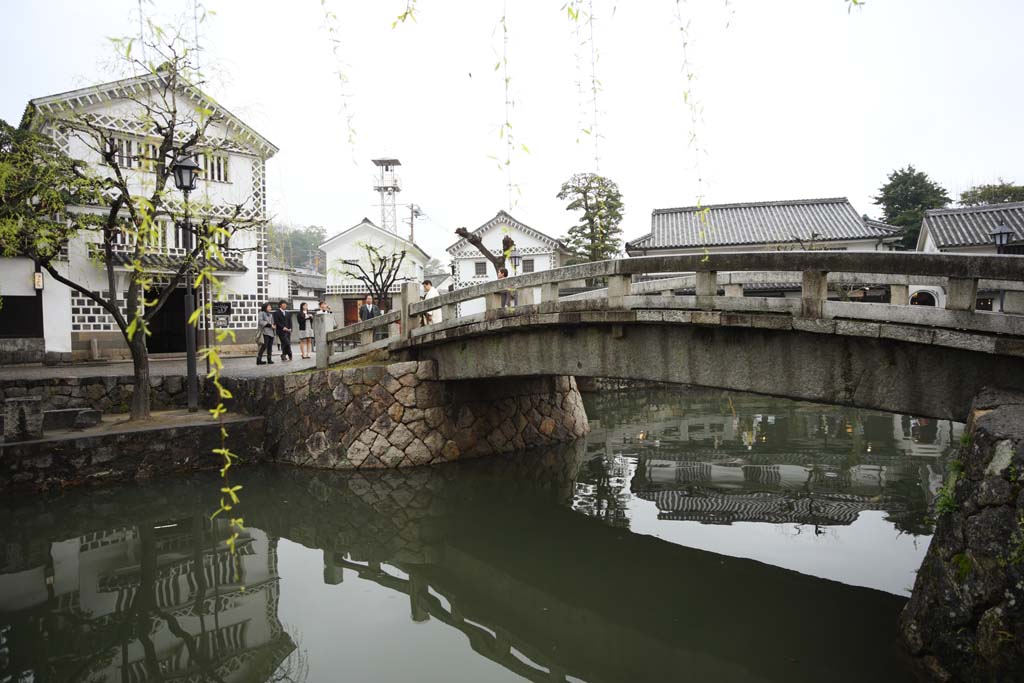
(23, 317)
(167, 329)
(922, 299)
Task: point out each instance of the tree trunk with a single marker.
(497, 261)
(140, 361)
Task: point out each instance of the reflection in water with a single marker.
(720, 458)
(132, 584)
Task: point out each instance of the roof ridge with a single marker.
(778, 202)
(974, 209)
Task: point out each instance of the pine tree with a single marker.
(597, 236)
(905, 198)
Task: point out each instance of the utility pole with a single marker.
(414, 213)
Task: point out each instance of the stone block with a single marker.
(815, 325)
(771, 322)
(430, 395)
(341, 394)
(917, 335)
(963, 340)
(399, 370)
(854, 328)
(396, 411)
(418, 453)
(23, 418)
(392, 457)
(87, 418)
(409, 381)
(401, 436)
(407, 397)
(426, 370)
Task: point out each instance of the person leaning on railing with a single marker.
(508, 296)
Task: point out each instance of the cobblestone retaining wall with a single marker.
(130, 454)
(107, 394)
(965, 618)
(399, 415)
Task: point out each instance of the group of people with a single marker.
(279, 324)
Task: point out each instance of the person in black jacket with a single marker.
(283, 324)
(368, 309)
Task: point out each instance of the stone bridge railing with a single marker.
(657, 277)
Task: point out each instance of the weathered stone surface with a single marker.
(401, 436)
(399, 370)
(409, 381)
(965, 617)
(317, 443)
(396, 411)
(547, 426)
(392, 457)
(407, 397)
(426, 370)
(341, 394)
(418, 453)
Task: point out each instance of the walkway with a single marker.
(238, 366)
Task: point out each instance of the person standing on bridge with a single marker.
(508, 296)
(283, 324)
(368, 310)
(430, 317)
(266, 327)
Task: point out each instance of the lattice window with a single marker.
(527, 265)
(215, 167)
(480, 268)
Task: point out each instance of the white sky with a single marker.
(800, 98)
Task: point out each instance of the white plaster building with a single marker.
(62, 322)
(968, 230)
(538, 251)
(345, 293)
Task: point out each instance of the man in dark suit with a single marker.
(283, 325)
(368, 309)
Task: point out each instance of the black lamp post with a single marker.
(455, 271)
(516, 258)
(1001, 237)
(186, 175)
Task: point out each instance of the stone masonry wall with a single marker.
(399, 415)
(965, 618)
(107, 394)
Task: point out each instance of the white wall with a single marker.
(347, 247)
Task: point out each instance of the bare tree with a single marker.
(380, 271)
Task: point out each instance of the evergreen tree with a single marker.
(904, 199)
(597, 235)
(995, 193)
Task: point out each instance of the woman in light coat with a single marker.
(266, 328)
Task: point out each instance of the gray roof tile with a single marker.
(972, 225)
(783, 222)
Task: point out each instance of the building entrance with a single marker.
(167, 329)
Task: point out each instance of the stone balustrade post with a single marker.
(549, 292)
(410, 295)
(525, 296)
(449, 312)
(734, 290)
(618, 290)
(899, 295)
(492, 301)
(365, 337)
(961, 294)
(813, 293)
(706, 282)
(1013, 302)
(323, 351)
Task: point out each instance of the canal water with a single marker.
(695, 535)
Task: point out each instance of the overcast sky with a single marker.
(800, 98)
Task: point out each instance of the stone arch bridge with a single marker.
(645, 325)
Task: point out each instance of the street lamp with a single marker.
(186, 175)
(1001, 237)
(516, 258)
(455, 271)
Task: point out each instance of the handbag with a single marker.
(259, 337)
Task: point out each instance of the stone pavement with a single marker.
(238, 366)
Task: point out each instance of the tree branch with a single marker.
(497, 261)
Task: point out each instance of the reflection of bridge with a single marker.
(870, 355)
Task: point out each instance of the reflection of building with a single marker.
(177, 577)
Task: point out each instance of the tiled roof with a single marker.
(786, 222)
(972, 225)
(171, 264)
(307, 281)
